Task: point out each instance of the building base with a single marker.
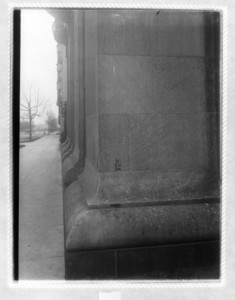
(167, 262)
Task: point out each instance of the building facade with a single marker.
(139, 104)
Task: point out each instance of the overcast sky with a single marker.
(39, 55)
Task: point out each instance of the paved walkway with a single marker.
(41, 249)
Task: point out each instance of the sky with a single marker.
(39, 57)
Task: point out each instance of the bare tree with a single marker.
(32, 106)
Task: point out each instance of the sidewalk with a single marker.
(41, 248)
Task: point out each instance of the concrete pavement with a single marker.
(41, 243)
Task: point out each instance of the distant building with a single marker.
(139, 102)
(62, 87)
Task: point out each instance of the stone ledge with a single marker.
(109, 228)
(144, 187)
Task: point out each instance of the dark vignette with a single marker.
(15, 134)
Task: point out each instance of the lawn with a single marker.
(24, 136)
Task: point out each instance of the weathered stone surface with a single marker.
(87, 229)
(73, 151)
(92, 140)
(183, 29)
(125, 188)
(130, 188)
(79, 82)
(90, 265)
(178, 84)
(212, 85)
(113, 142)
(150, 130)
(119, 95)
(67, 149)
(143, 137)
(181, 261)
(171, 142)
(90, 52)
(90, 182)
(154, 108)
(72, 166)
(180, 143)
(153, 32)
(68, 171)
(124, 32)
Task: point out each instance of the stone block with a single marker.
(186, 186)
(172, 262)
(149, 188)
(182, 143)
(143, 137)
(92, 140)
(212, 72)
(125, 84)
(90, 19)
(213, 139)
(183, 29)
(90, 265)
(90, 182)
(89, 228)
(178, 84)
(169, 142)
(124, 32)
(212, 33)
(125, 188)
(113, 142)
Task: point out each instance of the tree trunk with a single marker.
(30, 130)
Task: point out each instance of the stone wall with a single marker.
(152, 106)
(141, 157)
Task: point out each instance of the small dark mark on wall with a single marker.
(117, 165)
(158, 12)
(115, 205)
